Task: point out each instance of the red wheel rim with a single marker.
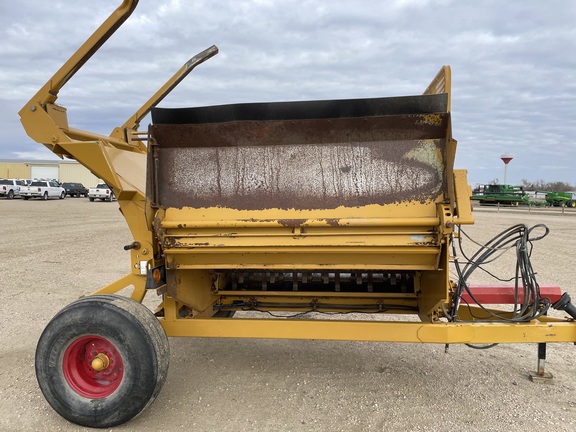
(78, 366)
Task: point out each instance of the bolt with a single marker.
(32, 108)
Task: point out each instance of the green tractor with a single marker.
(500, 194)
(561, 199)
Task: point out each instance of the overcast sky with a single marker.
(513, 66)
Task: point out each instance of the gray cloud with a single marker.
(513, 72)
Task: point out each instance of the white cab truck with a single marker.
(43, 189)
(102, 192)
(10, 188)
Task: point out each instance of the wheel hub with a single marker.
(100, 362)
(93, 367)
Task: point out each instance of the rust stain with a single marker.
(292, 223)
(302, 164)
(333, 221)
(426, 244)
(170, 264)
(431, 120)
(169, 242)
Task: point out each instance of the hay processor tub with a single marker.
(331, 207)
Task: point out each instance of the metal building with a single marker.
(61, 170)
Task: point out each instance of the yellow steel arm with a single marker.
(121, 163)
(46, 122)
(119, 159)
(48, 93)
(134, 121)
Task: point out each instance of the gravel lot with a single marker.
(55, 251)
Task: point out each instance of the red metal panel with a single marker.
(501, 294)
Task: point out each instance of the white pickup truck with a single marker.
(11, 187)
(42, 189)
(101, 191)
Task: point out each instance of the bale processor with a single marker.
(331, 206)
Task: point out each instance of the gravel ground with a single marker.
(53, 252)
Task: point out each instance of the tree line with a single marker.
(541, 185)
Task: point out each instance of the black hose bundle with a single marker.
(520, 238)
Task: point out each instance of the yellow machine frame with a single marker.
(120, 160)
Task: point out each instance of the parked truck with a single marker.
(10, 188)
(74, 189)
(333, 207)
(43, 189)
(102, 192)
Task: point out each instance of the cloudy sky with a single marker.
(513, 66)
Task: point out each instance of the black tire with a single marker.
(10, 194)
(63, 195)
(45, 196)
(91, 199)
(26, 198)
(134, 345)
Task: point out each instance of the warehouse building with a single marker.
(61, 170)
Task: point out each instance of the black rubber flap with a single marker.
(324, 109)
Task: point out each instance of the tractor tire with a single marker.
(102, 360)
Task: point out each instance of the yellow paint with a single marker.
(199, 245)
(373, 331)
